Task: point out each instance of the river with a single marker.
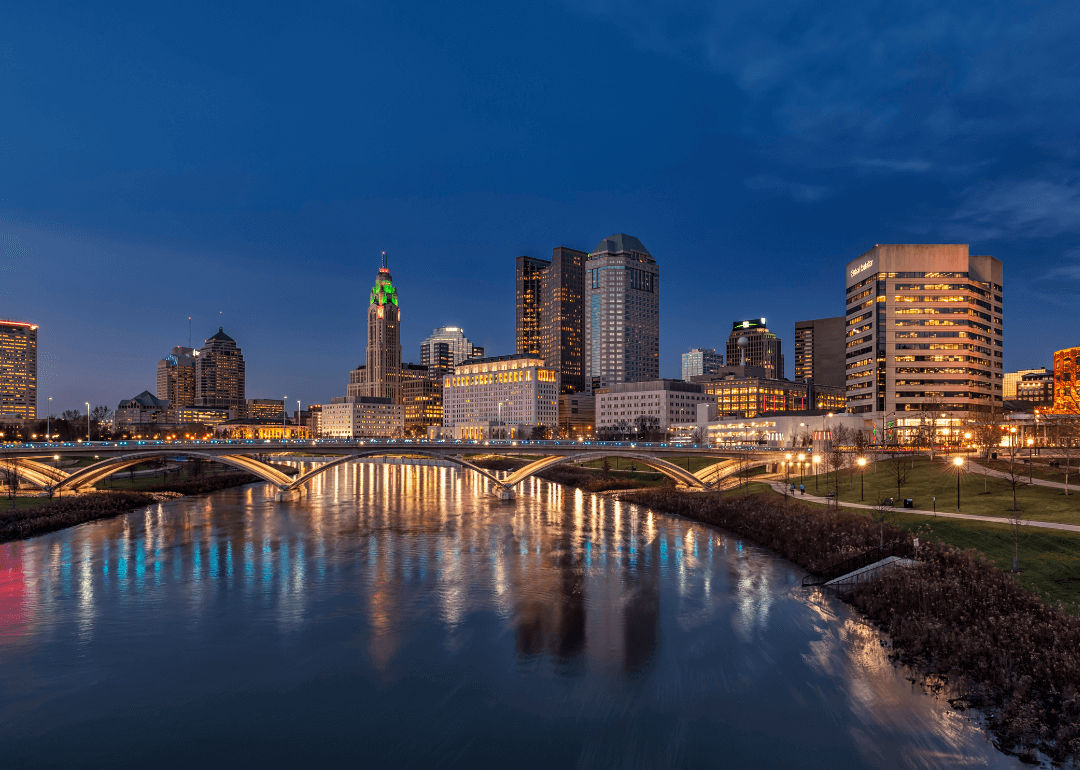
(397, 615)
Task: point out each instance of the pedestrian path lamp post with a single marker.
(802, 468)
(959, 463)
(787, 472)
(816, 460)
(861, 462)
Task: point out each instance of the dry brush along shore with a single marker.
(956, 620)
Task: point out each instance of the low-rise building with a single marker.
(512, 391)
(577, 415)
(1036, 388)
(750, 396)
(362, 417)
(265, 408)
(199, 415)
(256, 428)
(658, 403)
(773, 431)
(142, 410)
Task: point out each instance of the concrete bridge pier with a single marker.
(290, 494)
(505, 493)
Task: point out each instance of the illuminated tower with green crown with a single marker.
(382, 375)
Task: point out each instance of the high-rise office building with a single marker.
(924, 331)
(551, 313)
(176, 377)
(445, 348)
(382, 367)
(700, 361)
(18, 369)
(220, 376)
(529, 289)
(819, 351)
(421, 395)
(622, 313)
(752, 344)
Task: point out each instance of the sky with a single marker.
(245, 163)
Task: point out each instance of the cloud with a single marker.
(799, 191)
(875, 79)
(1020, 209)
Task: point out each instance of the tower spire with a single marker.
(384, 260)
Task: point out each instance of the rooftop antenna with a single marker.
(384, 260)
(189, 331)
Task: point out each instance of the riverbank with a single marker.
(39, 515)
(585, 479)
(956, 620)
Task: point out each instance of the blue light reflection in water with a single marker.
(397, 614)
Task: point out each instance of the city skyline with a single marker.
(136, 181)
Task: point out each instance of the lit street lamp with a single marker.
(959, 463)
(861, 462)
(817, 461)
(1030, 441)
(802, 468)
(48, 422)
(87, 420)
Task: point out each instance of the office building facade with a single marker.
(1066, 382)
(421, 397)
(265, 409)
(176, 377)
(18, 369)
(819, 351)
(664, 402)
(507, 390)
(362, 417)
(750, 396)
(622, 313)
(220, 376)
(1009, 381)
(1036, 389)
(752, 344)
(529, 275)
(701, 361)
(924, 331)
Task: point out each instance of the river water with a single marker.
(397, 615)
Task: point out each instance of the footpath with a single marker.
(809, 498)
(976, 468)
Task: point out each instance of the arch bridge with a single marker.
(30, 463)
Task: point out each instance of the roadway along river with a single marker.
(396, 615)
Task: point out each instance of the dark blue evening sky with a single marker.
(245, 163)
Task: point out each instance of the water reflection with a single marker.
(585, 629)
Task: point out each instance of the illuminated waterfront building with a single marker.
(819, 351)
(577, 414)
(1066, 384)
(700, 361)
(362, 417)
(200, 415)
(220, 376)
(528, 288)
(176, 377)
(742, 396)
(924, 331)
(1036, 388)
(260, 428)
(752, 344)
(660, 402)
(421, 396)
(622, 313)
(18, 369)
(507, 390)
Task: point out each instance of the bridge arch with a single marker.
(460, 462)
(33, 472)
(672, 471)
(92, 474)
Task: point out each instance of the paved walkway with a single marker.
(1023, 476)
(808, 498)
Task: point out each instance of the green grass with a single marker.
(928, 479)
(692, 463)
(1039, 469)
(1049, 560)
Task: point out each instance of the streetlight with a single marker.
(787, 472)
(802, 468)
(1030, 441)
(284, 412)
(48, 422)
(816, 459)
(87, 420)
(861, 462)
(959, 463)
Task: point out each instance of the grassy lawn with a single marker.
(1049, 560)
(21, 503)
(979, 494)
(1039, 468)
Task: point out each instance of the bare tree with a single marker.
(1014, 476)
(1065, 433)
(881, 513)
(987, 429)
(1016, 522)
(836, 457)
(898, 462)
